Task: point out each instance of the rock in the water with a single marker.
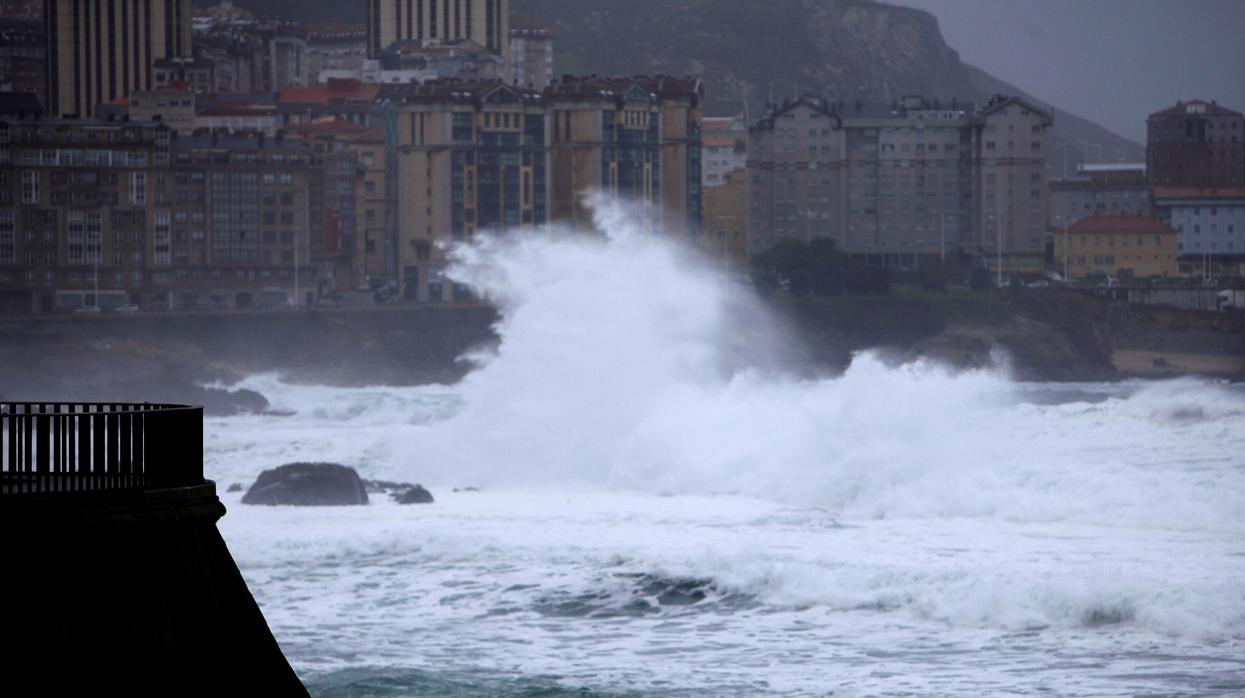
(235, 487)
(386, 487)
(222, 402)
(415, 495)
(307, 484)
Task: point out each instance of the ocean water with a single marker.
(635, 498)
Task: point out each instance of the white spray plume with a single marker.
(613, 371)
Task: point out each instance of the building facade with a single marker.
(408, 61)
(1010, 174)
(908, 181)
(473, 156)
(335, 48)
(359, 184)
(531, 55)
(487, 22)
(796, 175)
(632, 139)
(724, 148)
(23, 57)
(96, 213)
(892, 184)
(1118, 189)
(1196, 144)
(173, 106)
(100, 50)
(1118, 246)
(724, 240)
(1210, 224)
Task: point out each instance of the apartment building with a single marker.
(894, 183)
(1009, 162)
(473, 156)
(723, 148)
(635, 139)
(1196, 144)
(1101, 189)
(1210, 226)
(163, 221)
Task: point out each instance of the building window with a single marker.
(74, 237)
(30, 187)
(8, 237)
(94, 238)
(162, 244)
(138, 188)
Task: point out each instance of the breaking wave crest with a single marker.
(627, 364)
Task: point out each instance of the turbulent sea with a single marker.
(658, 508)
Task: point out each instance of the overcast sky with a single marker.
(1112, 61)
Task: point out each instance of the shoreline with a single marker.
(1047, 336)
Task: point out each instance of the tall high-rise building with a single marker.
(99, 50)
(486, 22)
(1196, 144)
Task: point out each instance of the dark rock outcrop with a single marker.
(415, 495)
(307, 484)
(235, 487)
(386, 486)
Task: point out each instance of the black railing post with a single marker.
(98, 459)
(114, 461)
(27, 445)
(140, 422)
(86, 466)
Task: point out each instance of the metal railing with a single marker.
(58, 447)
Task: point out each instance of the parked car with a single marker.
(87, 310)
(127, 309)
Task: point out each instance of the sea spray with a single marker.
(611, 372)
(663, 510)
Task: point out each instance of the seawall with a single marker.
(1043, 334)
(131, 594)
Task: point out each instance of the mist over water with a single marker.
(626, 362)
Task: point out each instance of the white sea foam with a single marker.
(917, 529)
(612, 372)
